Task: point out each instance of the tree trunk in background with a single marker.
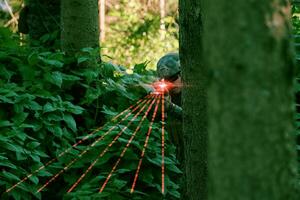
(193, 99)
(40, 17)
(251, 143)
(162, 6)
(101, 4)
(80, 25)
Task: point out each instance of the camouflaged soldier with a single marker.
(168, 68)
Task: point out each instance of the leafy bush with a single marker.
(48, 101)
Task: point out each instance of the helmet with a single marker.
(168, 65)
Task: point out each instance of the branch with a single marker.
(11, 12)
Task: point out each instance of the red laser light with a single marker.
(163, 145)
(106, 149)
(126, 147)
(144, 149)
(162, 86)
(88, 148)
(73, 146)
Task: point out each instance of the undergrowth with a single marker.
(48, 101)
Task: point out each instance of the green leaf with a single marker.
(20, 118)
(108, 111)
(16, 195)
(10, 176)
(119, 183)
(21, 135)
(174, 168)
(54, 78)
(34, 179)
(40, 153)
(5, 123)
(48, 107)
(35, 157)
(141, 67)
(147, 176)
(5, 99)
(175, 193)
(11, 147)
(87, 49)
(24, 98)
(3, 55)
(7, 74)
(32, 59)
(73, 108)
(155, 161)
(32, 105)
(6, 163)
(18, 108)
(70, 122)
(82, 59)
(21, 156)
(3, 158)
(57, 78)
(54, 63)
(32, 145)
(70, 77)
(53, 117)
(56, 130)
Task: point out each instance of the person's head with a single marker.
(168, 68)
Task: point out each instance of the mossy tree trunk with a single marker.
(251, 143)
(80, 24)
(193, 100)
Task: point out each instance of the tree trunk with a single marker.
(162, 6)
(251, 143)
(80, 25)
(101, 4)
(193, 100)
(39, 17)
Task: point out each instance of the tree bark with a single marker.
(162, 6)
(39, 17)
(251, 145)
(80, 25)
(193, 100)
(101, 4)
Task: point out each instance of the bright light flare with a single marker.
(162, 86)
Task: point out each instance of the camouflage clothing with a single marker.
(174, 125)
(167, 67)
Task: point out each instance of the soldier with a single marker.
(168, 68)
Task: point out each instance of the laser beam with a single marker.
(163, 145)
(126, 147)
(73, 146)
(132, 106)
(144, 149)
(89, 147)
(106, 149)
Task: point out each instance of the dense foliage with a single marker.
(48, 101)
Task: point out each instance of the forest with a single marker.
(149, 99)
